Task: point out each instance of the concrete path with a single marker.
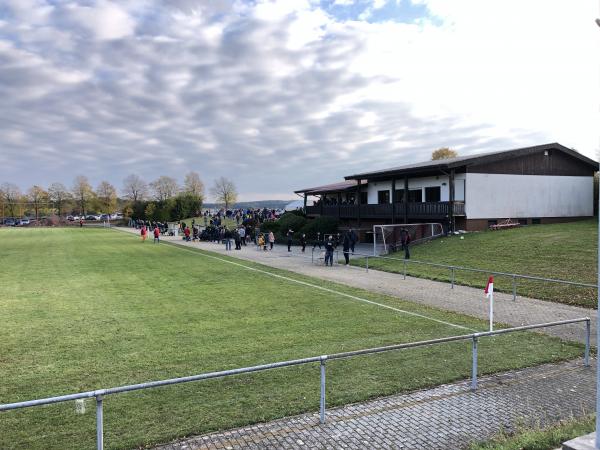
(446, 417)
(461, 299)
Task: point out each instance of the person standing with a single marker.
(353, 240)
(186, 233)
(271, 240)
(329, 247)
(290, 234)
(144, 233)
(405, 241)
(346, 244)
(236, 238)
(242, 232)
(318, 241)
(227, 238)
(303, 242)
(156, 235)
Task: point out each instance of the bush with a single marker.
(265, 227)
(291, 221)
(320, 224)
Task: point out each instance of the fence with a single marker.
(101, 393)
(453, 269)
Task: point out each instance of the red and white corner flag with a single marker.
(489, 289)
(489, 293)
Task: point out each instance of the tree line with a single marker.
(162, 199)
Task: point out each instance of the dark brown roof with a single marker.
(462, 161)
(334, 187)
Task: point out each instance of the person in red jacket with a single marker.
(156, 235)
(186, 232)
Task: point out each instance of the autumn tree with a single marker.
(443, 153)
(193, 185)
(82, 193)
(224, 192)
(164, 188)
(38, 198)
(11, 195)
(134, 188)
(59, 195)
(107, 197)
(149, 211)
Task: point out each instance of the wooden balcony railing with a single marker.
(415, 210)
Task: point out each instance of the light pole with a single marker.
(598, 329)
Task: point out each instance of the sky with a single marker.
(279, 95)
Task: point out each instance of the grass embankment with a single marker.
(84, 309)
(565, 251)
(540, 438)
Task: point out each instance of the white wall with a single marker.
(524, 196)
(421, 183)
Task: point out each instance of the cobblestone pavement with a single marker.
(462, 299)
(446, 417)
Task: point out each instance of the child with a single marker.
(261, 242)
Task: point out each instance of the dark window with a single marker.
(492, 222)
(415, 195)
(383, 197)
(522, 221)
(536, 221)
(400, 195)
(433, 194)
(364, 198)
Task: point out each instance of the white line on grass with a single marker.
(353, 297)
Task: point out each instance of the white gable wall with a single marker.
(525, 196)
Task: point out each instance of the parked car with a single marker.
(105, 217)
(24, 222)
(90, 217)
(9, 222)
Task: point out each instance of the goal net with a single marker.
(388, 238)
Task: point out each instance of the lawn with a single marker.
(84, 309)
(565, 251)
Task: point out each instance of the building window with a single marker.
(364, 198)
(383, 197)
(536, 221)
(400, 195)
(433, 194)
(415, 196)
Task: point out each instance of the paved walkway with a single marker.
(446, 417)
(462, 299)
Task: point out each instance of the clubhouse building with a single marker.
(541, 184)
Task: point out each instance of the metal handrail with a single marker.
(99, 394)
(454, 268)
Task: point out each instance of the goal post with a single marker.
(388, 238)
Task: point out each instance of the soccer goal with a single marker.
(388, 238)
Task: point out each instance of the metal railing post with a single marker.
(474, 367)
(312, 256)
(99, 424)
(322, 402)
(367, 263)
(452, 278)
(586, 357)
(404, 272)
(514, 286)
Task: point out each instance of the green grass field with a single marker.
(84, 309)
(565, 251)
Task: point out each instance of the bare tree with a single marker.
(82, 192)
(107, 197)
(58, 195)
(10, 196)
(134, 188)
(193, 184)
(164, 188)
(38, 198)
(224, 192)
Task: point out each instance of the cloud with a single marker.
(279, 95)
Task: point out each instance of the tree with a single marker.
(149, 211)
(443, 153)
(59, 195)
(164, 188)
(193, 185)
(10, 197)
(224, 192)
(107, 197)
(82, 192)
(38, 197)
(134, 188)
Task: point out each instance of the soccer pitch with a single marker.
(84, 309)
